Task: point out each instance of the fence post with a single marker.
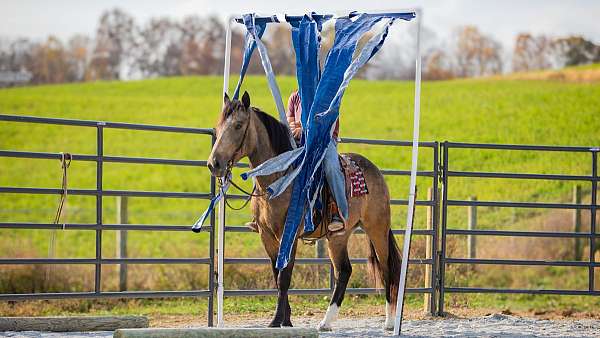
(577, 222)
(121, 244)
(472, 225)
(320, 253)
(428, 244)
(320, 249)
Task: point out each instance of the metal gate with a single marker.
(99, 226)
(591, 236)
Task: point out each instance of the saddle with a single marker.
(356, 186)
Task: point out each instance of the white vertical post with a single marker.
(413, 182)
(221, 212)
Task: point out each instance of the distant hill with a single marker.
(576, 74)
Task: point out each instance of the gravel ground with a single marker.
(496, 325)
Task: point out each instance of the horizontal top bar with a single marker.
(112, 159)
(288, 18)
(504, 204)
(520, 233)
(387, 142)
(519, 147)
(529, 176)
(295, 18)
(114, 125)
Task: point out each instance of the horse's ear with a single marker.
(226, 98)
(246, 100)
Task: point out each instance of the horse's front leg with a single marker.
(283, 312)
(272, 247)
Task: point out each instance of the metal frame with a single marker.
(592, 235)
(412, 192)
(414, 160)
(99, 225)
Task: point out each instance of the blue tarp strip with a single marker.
(307, 45)
(324, 112)
(249, 45)
(266, 63)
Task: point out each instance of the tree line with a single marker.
(124, 49)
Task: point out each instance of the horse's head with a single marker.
(231, 132)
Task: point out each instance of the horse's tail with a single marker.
(394, 265)
(391, 269)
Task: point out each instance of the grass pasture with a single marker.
(498, 110)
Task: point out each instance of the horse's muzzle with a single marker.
(217, 167)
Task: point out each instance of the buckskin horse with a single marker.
(245, 131)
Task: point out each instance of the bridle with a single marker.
(229, 178)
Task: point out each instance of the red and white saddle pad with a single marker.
(356, 185)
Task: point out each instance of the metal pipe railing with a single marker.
(438, 261)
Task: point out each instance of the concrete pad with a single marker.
(72, 324)
(210, 332)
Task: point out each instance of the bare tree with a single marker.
(18, 55)
(396, 60)
(281, 51)
(437, 66)
(114, 42)
(532, 53)
(49, 62)
(476, 54)
(78, 57)
(157, 49)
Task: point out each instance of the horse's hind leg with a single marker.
(338, 253)
(385, 259)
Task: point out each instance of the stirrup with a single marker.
(252, 226)
(335, 226)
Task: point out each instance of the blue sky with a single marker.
(502, 19)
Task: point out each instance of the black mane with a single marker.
(277, 131)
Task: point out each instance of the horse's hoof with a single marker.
(274, 324)
(288, 324)
(323, 328)
(388, 328)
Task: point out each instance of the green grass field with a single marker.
(474, 110)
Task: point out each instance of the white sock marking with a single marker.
(389, 316)
(330, 317)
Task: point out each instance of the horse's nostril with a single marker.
(213, 165)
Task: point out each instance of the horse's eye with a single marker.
(238, 126)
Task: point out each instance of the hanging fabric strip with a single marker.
(275, 164)
(266, 63)
(249, 45)
(306, 40)
(323, 113)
